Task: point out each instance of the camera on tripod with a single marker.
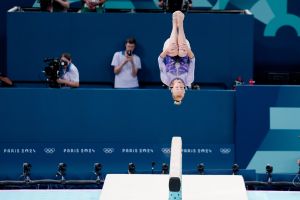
(53, 71)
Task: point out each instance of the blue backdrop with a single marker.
(267, 127)
(278, 52)
(222, 44)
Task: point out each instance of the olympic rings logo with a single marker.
(166, 150)
(108, 150)
(49, 150)
(225, 150)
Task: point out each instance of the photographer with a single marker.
(173, 5)
(126, 65)
(69, 75)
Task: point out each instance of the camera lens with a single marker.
(63, 63)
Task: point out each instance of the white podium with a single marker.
(155, 187)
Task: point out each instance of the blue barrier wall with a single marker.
(222, 44)
(267, 127)
(116, 127)
(82, 126)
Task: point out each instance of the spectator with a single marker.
(69, 76)
(126, 65)
(177, 61)
(92, 6)
(54, 5)
(175, 4)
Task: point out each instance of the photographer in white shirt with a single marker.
(69, 75)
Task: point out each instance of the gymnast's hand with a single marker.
(61, 81)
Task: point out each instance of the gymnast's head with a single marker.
(178, 91)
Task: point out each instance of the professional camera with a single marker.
(53, 70)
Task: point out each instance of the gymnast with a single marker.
(177, 61)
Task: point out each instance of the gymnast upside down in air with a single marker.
(177, 61)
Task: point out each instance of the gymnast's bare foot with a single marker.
(175, 20)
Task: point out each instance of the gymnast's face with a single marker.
(178, 90)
